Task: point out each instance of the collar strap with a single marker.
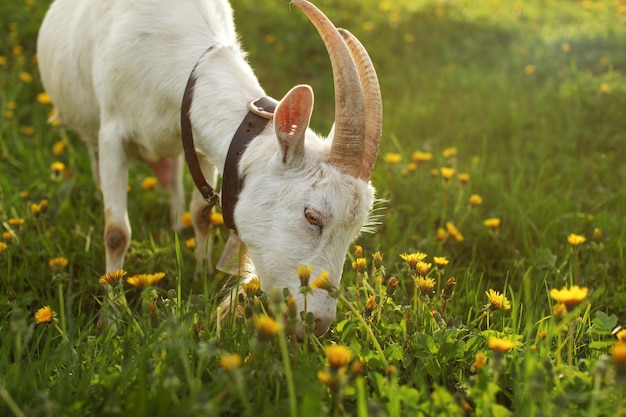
(259, 114)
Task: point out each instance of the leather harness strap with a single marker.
(260, 112)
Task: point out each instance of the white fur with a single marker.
(116, 71)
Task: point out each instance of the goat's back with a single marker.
(127, 60)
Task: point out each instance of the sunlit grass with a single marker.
(494, 285)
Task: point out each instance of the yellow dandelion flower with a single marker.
(419, 156)
(9, 114)
(559, 310)
(57, 167)
(497, 301)
(475, 200)
(412, 167)
(529, 69)
(25, 77)
(18, 51)
(149, 183)
(12, 105)
(447, 173)
(327, 379)
(322, 282)
(185, 219)
(392, 158)
(500, 346)
(27, 130)
(304, 273)
(425, 285)
(442, 235)
(367, 26)
(621, 335)
(59, 147)
(618, 353)
(464, 178)
(16, 222)
(480, 360)
(358, 251)
(44, 98)
(35, 209)
(597, 234)
(413, 258)
(441, 261)
(338, 355)
(230, 362)
(360, 265)
(190, 243)
(409, 37)
(449, 152)
(422, 268)
(621, 9)
(269, 38)
(252, 287)
(3, 60)
(605, 88)
(3, 247)
(454, 232)
(493, 223)
(58, 263)
(145, 280)
(111, 278)
(570, 297)
(45, 315)
(266, 327)
(24, 195)
(7, 236)
(575, 240)
(216, 218)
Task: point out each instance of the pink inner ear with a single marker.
(294, 113)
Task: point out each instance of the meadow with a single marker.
(494, 285)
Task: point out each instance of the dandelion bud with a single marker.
(370, 305)
(378, 259)
(480, 361)
(304, 273)
(358, 251)
(449, 288)
(597, 234)
(391, 286)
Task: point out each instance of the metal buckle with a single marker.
(254, 108)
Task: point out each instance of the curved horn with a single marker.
(373, 102)
(346, 151)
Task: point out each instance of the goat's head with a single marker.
(305, 198)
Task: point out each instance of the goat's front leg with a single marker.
(113, 167)
(202, 220)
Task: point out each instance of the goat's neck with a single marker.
(225, 83)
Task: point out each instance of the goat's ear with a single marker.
(291, 119)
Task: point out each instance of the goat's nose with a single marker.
(322, 326)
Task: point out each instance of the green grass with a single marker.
(531, 94)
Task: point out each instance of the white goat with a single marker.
(117, 70)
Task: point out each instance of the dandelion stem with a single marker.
(284, 350)
(367, 329)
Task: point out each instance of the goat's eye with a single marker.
(313, 217)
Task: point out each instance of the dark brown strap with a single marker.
(208, 193)
(261, 111)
